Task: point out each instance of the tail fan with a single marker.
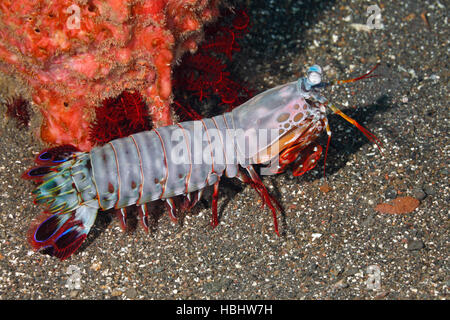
(56, 155)
(66, 190)
(36, 173)
(48, 158)
(60, 235)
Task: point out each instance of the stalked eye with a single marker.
(315, 78)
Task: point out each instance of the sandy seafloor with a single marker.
(330, 241)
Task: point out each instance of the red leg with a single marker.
(267, 199)
(171, 209)
(122, 216)
(191, 199)
(215, 221)
(143, 216)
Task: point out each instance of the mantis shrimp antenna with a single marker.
(333, 108)
(366, 132)
(365, 76)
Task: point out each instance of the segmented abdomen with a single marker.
(163, 162)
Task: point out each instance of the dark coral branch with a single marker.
(203, 74)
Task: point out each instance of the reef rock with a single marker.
(75, 53)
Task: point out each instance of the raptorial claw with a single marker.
(307, 160)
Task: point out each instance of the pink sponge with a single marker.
(75, 53)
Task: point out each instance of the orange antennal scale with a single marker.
(366, 132)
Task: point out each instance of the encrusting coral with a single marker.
(76, 53)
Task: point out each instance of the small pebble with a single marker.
(429, 190)
(434, 77)
(96, 266)
(131, 293)
(158, 269)
(352, 271)
(381, 295)
(341, 284)
(419, 194)
(390, 193)
(415, 245)
(116, 293)
(316, 236)
(368, 221)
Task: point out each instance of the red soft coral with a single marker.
(18, 108)
(204, 73)
(119, 117)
